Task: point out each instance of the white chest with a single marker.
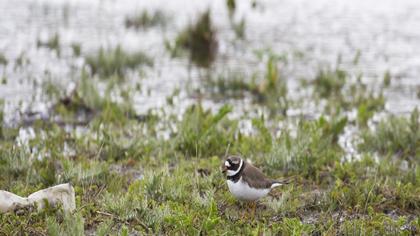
(242, 191)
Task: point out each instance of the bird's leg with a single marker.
(243, 210)
(246, 210)
(253, 206)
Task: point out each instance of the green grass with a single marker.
(159, 173)
(3, 59)
(144, 20)
(310, 153)
(239, 28)
(199, 40)
(128, 179)
(395, 136)
(116, 62)
(231, 6)
(329, 82)
(1, 118)
(52, 43)
(268, 88)
(201, 133)
(342, 93)
(77, 49)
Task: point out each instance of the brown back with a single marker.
(255, 178)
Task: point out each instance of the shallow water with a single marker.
(312, 35)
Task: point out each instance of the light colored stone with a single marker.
(10, 201)
(60, 194)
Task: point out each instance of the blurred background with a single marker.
(51, 42)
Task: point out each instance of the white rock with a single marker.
(63, 194)
(10, 201)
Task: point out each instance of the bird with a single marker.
(245, 181)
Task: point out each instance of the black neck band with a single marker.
(235, 178)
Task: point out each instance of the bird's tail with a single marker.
(277, 183)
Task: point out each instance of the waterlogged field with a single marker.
(136, 104)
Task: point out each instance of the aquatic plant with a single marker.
(115, 62)
(230, 85)
(329, 83)
(267, 88)
(52, 43)
(1, 118)
(3, 59)
(387, 79)
(199, 40)
(342, 94)
(85, 104)
(239, 28)
(146, 20)
(231, 6)
(418, 92)
(77, 49)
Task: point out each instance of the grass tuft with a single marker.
(146, 20)
(395, 136)
(199, 40)
(52, 43)
(202, 134)
(310, 153)
(3, 59)
(115, 62)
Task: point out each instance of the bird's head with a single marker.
(232, 165)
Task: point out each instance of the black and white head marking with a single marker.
(233, 165)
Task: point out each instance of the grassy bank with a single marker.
(129, 179)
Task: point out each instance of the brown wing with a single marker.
(255, 177)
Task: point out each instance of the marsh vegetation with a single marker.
(139, 169)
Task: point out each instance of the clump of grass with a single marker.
(379, 224)
(199, 40)
(3, 79)
(341, 94)
(231, 6)
(311, 152)
(418, 92)
(52, 43)
(387, 79)
(356, 58)
(77, 49)
(365, 186)
(230, 85)
(71, 225)
(272, 90)
(292, 226)
(116, 62)
(395, 135)
(367, 106)
(269, 89)
(3, 59)
(21, 60)
(85, 104)
(203, 134)
(329, 82)
(146, 20)
(1, 118)
(239, 28)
